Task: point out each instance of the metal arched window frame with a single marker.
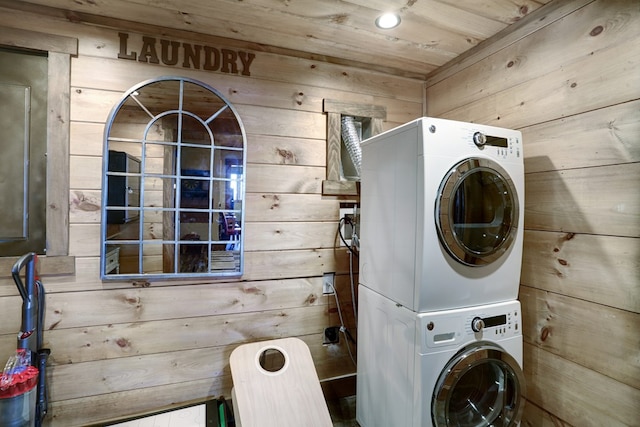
(159, 247)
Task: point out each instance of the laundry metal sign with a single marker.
(187, 55)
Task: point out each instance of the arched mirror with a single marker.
(173, 183)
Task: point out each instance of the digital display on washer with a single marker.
(497, 142)
(495, 321)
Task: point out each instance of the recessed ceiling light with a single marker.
(388, 21)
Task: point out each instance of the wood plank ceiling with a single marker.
(432, 32)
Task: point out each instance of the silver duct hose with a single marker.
(352, 141)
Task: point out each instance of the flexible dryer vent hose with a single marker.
(352, 141)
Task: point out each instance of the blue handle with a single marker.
(29, 293)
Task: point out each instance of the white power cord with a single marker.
(343, 328)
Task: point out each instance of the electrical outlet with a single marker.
(355, 235)
(327, 283)
(347, 219)
(331, 335)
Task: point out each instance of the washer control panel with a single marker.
(494, 325)
(452, 327)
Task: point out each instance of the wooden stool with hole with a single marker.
(275, 383)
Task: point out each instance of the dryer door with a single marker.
(481, 386)
(476, 212)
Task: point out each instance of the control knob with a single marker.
(477, 324)
(479, 139)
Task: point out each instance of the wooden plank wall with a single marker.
(120, 350)
(573, 88)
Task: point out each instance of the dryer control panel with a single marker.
(500, 146)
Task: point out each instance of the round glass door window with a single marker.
(476, 212)
(482, 386)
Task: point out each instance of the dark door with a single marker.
(23, 130)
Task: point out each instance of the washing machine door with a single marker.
(481, 386)
(476, 212)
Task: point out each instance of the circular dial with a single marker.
(477, 324)
(479, 139)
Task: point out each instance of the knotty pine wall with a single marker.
(119, 350)
(572, 86)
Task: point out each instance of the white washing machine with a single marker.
(441, 220)
(460, 367)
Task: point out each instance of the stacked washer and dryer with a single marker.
(439, 324)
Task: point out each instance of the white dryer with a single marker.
(460, 367)
(441, 220)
